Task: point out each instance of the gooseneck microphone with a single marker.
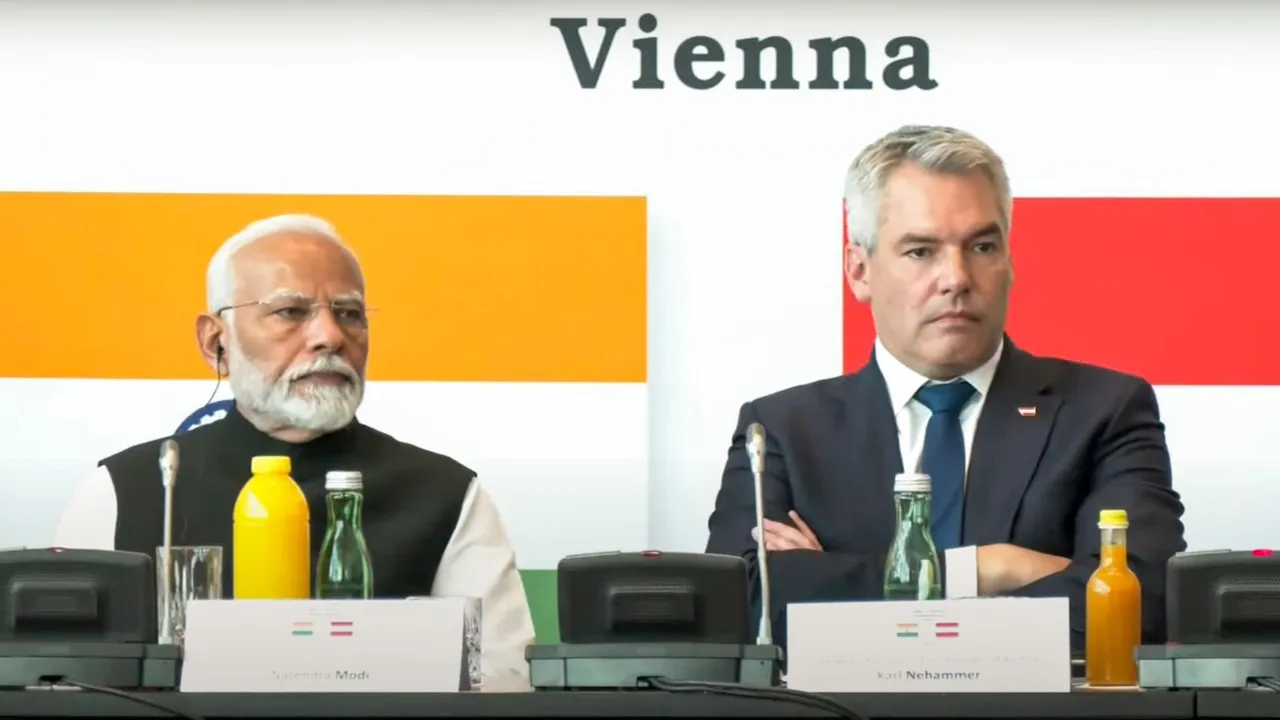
(168, 477)
(755, 453)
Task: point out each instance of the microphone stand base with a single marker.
(625, 666)
(121, 666)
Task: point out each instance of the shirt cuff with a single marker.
(960, 572)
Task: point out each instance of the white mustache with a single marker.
(323, 364)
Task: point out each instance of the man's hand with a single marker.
(780, 536)
(1003, 568)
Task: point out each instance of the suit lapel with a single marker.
(867, 440)
(1016, 421)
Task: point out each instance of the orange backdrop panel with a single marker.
(486, 289)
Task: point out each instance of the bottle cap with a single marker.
(343, 480)
(912, 483)
(271, 465)
(1115, 519)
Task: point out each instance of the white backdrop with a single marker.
(1082, 99)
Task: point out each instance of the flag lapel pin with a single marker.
(1027, 411)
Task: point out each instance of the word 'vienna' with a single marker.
(901, 73)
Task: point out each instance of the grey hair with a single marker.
(932, 147)
(220, 281)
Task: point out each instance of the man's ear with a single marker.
(210, 332)
(857, 271)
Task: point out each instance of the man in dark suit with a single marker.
(1023, 451)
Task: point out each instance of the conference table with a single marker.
(1117, 705)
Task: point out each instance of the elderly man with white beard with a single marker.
(287, 323)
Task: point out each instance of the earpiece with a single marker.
(217, 368)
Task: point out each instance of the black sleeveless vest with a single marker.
(413, 497)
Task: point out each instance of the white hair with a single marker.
(931, 147)
(220, 281)
(281, 404)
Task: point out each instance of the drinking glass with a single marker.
(195, 572)
(471, 639)
(471, 636)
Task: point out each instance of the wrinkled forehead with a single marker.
(295, 265)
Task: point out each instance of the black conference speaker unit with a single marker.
(81, 616)
(626, 618)
(1223, 623)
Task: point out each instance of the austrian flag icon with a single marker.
(1027, 411)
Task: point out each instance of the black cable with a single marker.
(796, 697)
(217, 383)
(68, 682)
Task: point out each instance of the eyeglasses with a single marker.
(293, 312)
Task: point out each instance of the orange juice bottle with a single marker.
(1113, 609)
(271, 541)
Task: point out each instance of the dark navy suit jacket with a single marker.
(1095, 442)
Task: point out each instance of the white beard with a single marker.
(317, 408)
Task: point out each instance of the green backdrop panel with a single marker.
(540, 587)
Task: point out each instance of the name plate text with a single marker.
(966, 645)
(362, 646)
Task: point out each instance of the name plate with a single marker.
(266, 646)
(970, 645)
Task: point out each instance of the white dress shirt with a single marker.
(479, 562)
(912, 417)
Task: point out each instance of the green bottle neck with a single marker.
(345, 510)
(912, 508)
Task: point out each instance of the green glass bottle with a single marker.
(344, 570)
(911, 568)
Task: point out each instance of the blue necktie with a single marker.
(943, 459)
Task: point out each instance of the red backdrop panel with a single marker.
(1177, 290)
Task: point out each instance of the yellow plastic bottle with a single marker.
(1113, 609)
(271, 540)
